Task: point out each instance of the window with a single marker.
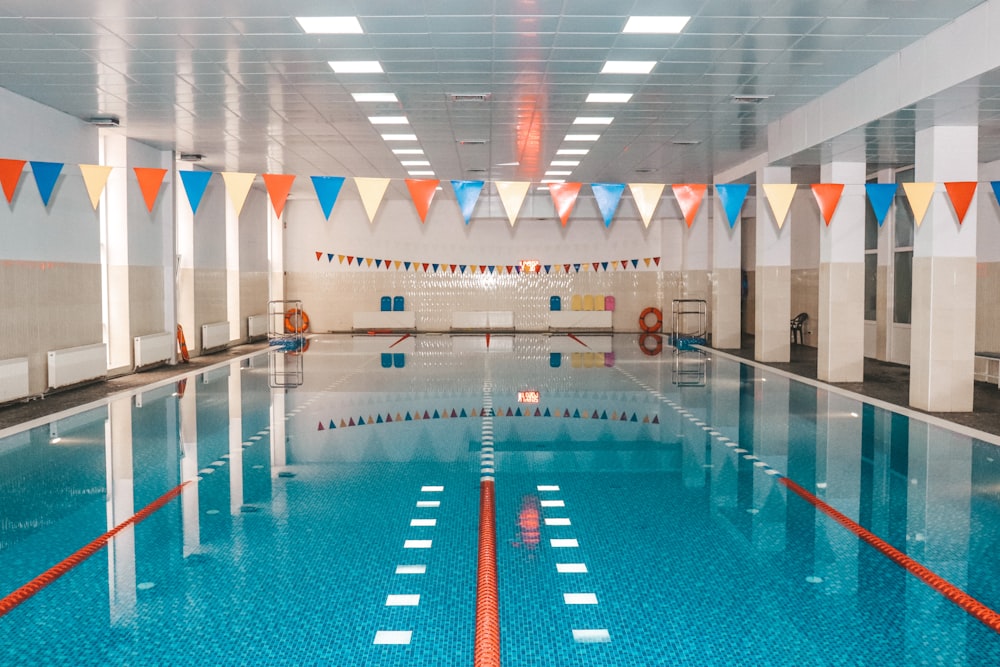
(902, 256)
(871, 261)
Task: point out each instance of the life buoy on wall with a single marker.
(182, 344)
(296, 320)
(657, 344)
(657, 320)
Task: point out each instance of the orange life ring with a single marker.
(182, 344)
(657, 344)
(296, 320)
(657, 323)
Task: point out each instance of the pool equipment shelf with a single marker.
(689, 321)
(286, 347)
(690, 368)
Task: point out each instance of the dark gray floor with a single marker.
(884, 381)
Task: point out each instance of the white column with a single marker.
(943, 329)
(275, 256)
(114, 237)
(727, 279)
(235, 438)
(841, 320)
(189, 469)
(184, 260)
(772, 274)
(232, 270)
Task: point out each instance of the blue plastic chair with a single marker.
(555, 303)
(399, 360)
(386, 304)
(398, 303)
(386, 360)
(555, 359)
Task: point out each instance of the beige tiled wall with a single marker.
(750, 305)
(210, 302)
(773, 303)
(253, 297)
(47, 306)
(988, 307)
(146, 300)
(840, 327)
(725, 315)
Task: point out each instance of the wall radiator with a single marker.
(214, 335)
(76, 364)
(13, 379)
(153, 349)
(256, 326)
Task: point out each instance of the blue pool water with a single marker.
(332, 503)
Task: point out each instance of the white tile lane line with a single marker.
(417, 544)
(416, 523)
(570, 543)
(553, 503)
(591, 636)
(411, 569)
(393, 637)
(428, 503)
(571, 568)
(580, 598)
(431, 489)
(557, 521)
(545, 487)
(404, 601)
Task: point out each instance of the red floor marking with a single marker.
(399, 341)
(487, 650)
(971, 605)
(578, 341)
(24, 593)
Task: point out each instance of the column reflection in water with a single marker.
(235, 438)
(938, 529)
(189, 469)
(120, 507)
(279, 450)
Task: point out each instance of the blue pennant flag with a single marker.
(880, 196)
(608, 195)
(467, 194)
(996, 190)
(327, 189)
(195, 183)
(46, 175)
(732, 197)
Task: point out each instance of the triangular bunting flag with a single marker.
(10, 174)
(329, 257)
(332, 425)
(960, 193)
(320, 427)
(467, 194)
(827, 196)
(319, 255)
(422, 192)
(996, 190)
(646, 196)
(564, 197)
(608, 195)
(919, 196)
(779, 197)
(880, 196)
(95, 177)
(732, 196)
(150, 180)
(194, 183)
(46, 175)
(238, 186)
(327, 190)
(278, 186)
(372, 190)
(689, 196)
(512, 197)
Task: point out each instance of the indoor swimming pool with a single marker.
(323, 508)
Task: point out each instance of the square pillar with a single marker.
(841, 321)
(943, 325)
(772, 275)
(727, 279)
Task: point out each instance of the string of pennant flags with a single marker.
(499, 269)
(645, 196)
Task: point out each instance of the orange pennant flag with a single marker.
(689, 197)
(564, 197)
(10, 174)
(278, 186)
(422, 191)
(150, 180)
(827, 196)
(960, 193)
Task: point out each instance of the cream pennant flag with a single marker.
(238, 186)
(919, 195)
(646, 196)
(512, 195)
(95, 177)
(372, 190)
(779, 196)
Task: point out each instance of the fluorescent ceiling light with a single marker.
(388, 120)
(593, 120)
(609, 97)
(408, 151)
(415, 163)
(558, 172)
(661, 25)
(355, 66)
(628, 67)
(542, 187)
(509, 164)
(565, 163)
(399, 137)
(421, 173)
(552, 180)
(582, 137)
(374, 97)
(330, 24)
(572, 151)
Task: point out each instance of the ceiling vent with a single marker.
(685, 142)
(469, 97)
(472, 142)
(190, 157)
(104, 121)
(748, 99)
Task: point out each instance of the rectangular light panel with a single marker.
(659, 25)
(356, 66)
(330, 25)
(628, 67)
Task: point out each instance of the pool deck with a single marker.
(883, 381)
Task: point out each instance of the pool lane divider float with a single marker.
(11, 601)
(984, 614)
(966, 602)
(487, 641)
